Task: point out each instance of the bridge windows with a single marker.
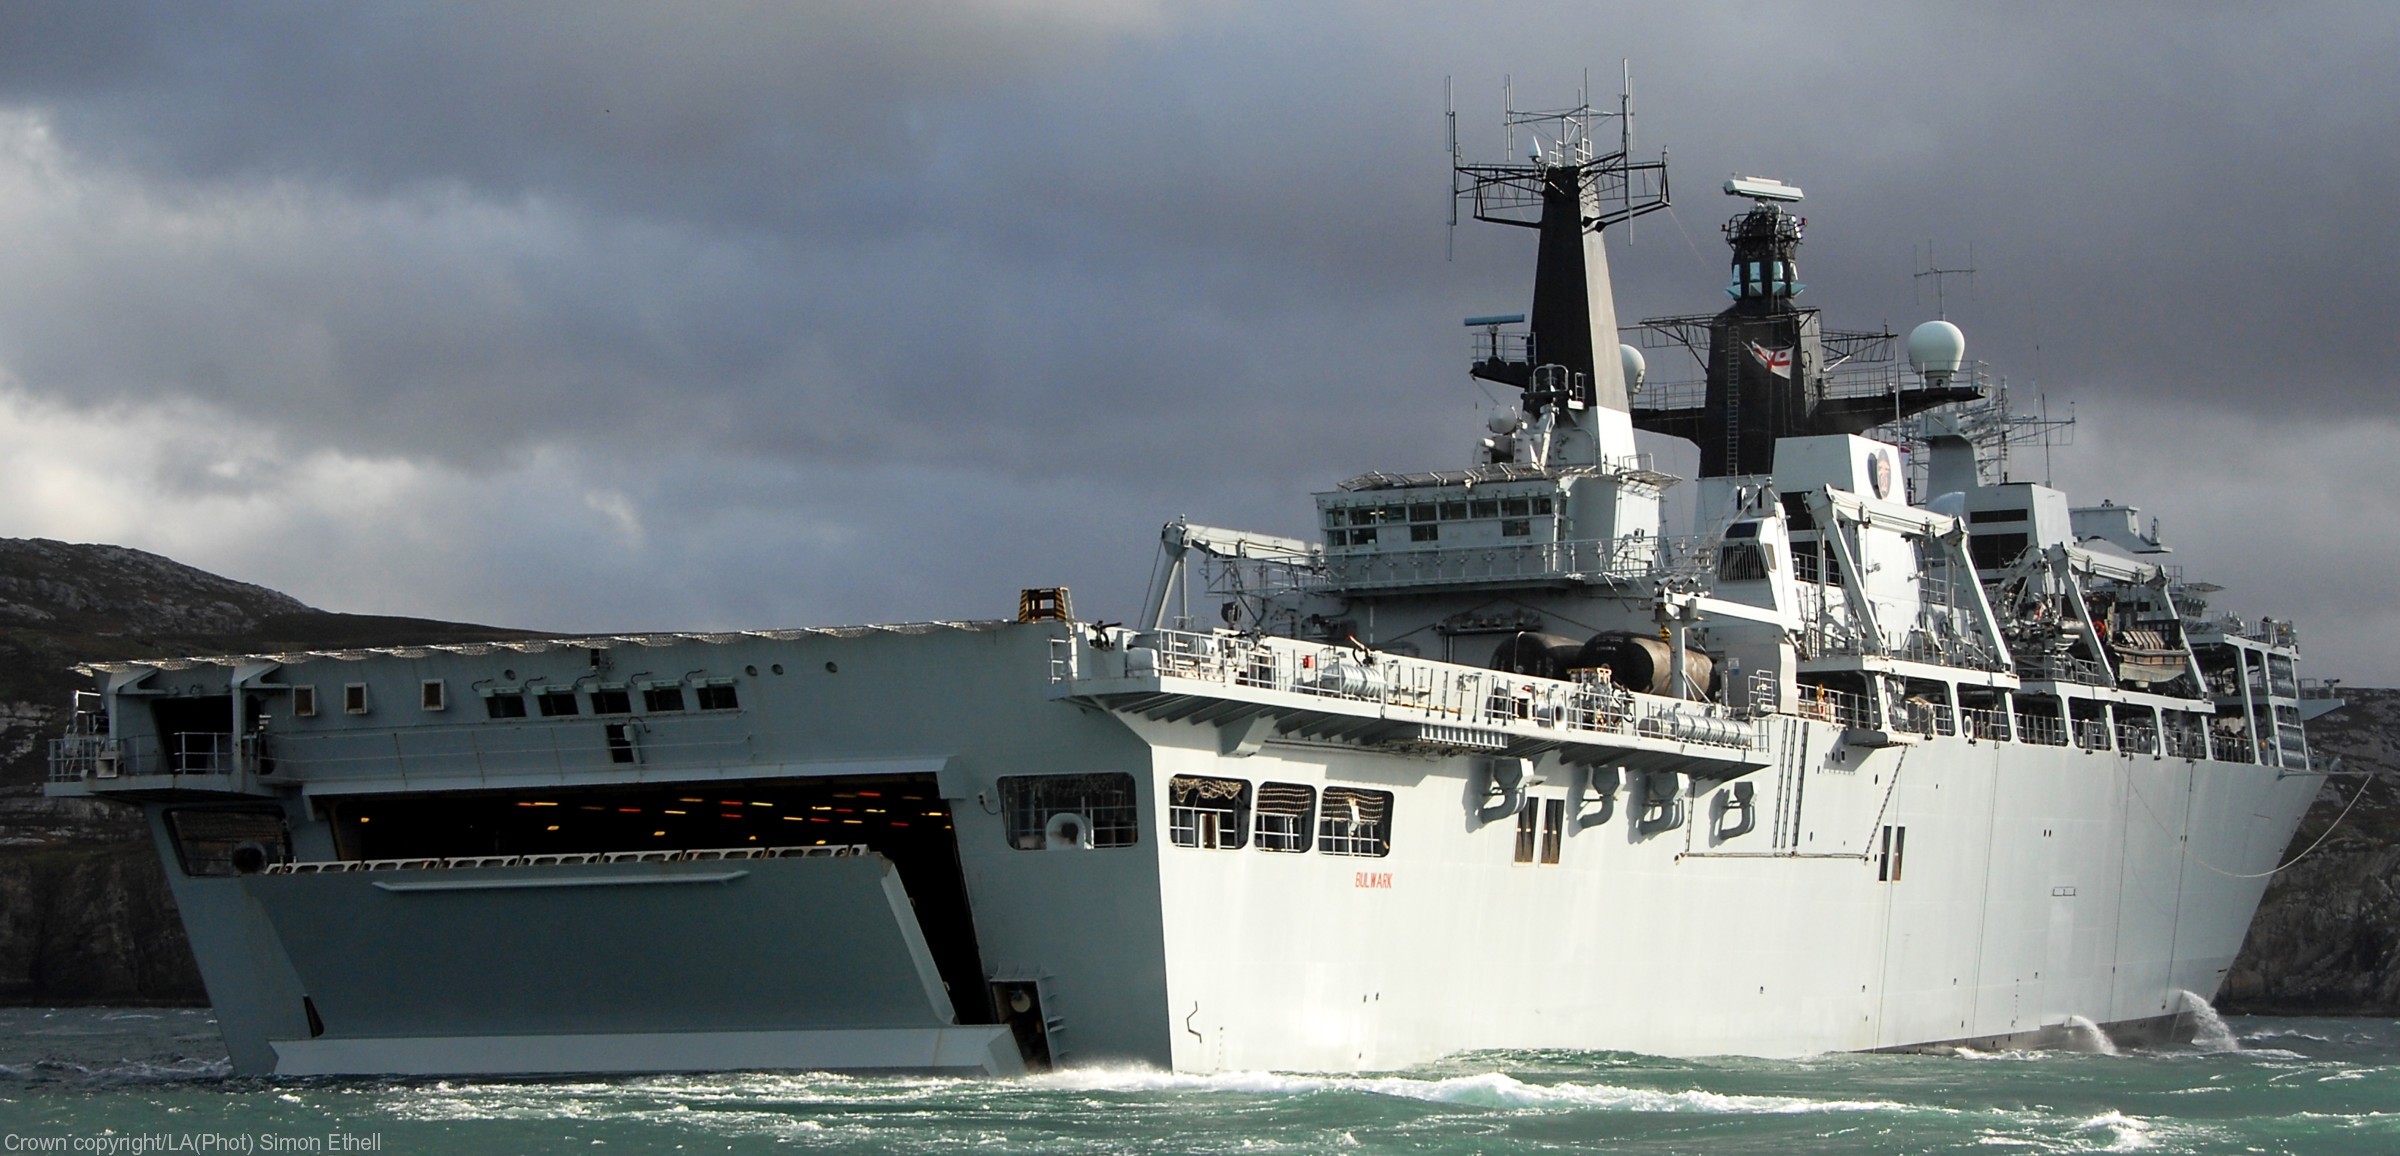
(504, 704)
(556, 701)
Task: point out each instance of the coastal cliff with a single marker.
(2326, 940)
(85, 915)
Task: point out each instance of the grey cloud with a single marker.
(1183, 261)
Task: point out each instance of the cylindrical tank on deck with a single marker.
(1342, 675)
(1540, 655)
(1643, 663)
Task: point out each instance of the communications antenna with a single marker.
(1933, 269)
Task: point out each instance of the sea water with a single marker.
(155, 1080)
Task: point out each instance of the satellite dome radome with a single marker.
(1636, 368)
(1936, 349)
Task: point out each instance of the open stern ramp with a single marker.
(1254, 688)
(447, 967)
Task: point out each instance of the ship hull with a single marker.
(2033, 891)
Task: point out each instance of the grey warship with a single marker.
(1885, 749)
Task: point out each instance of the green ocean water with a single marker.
(152, 1080)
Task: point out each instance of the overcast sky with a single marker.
(598, 317)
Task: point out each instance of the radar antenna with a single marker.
(1933, 269)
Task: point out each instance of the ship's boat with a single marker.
(1881, 751)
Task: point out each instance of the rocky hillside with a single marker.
(2327, 937)
(85, 916)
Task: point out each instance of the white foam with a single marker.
(1488, 1089)
(2133, 1134)
(2087, 1036)
(2210, 1033)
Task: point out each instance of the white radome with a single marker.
(1636, 368)
(1936, 347)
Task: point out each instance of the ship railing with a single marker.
(80, 757)
(1840, 707)
(2136, 739)
(2061, 668)
(2091, 734)
(2042, 730)
(1985, 722)
(2232, 747)
(1923, 716)
(2185, 742)
(1585, 560)
(1442, 692)
(77, 758)
(566, 859)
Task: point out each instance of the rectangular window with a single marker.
(1421, 512)
(433, 695)
(304, 702)
(1486, 508)
(1209, 813)
(1337, 537)
(554, 703)
(1979, 517)
(611, 700)
(1554, 828)
(620, 743)
(1541, 505)
(662, 699)
(1337, 517)
(1068, 812)
(1365, 515)
(1992, 551)
(504, 704)
(1286, 816)
(1517, 529)
(718, 696)
(1515, 508)
(354, 698)
(1428, 532)
(1744, 561)
(1355, 822)
(2038, 720)
(1526, 813)
(1804, 562)
(1454, 511)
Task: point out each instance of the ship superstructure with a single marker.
(1495, 761)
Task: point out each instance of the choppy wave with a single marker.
(1487, 1089)
(2308, 1086)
